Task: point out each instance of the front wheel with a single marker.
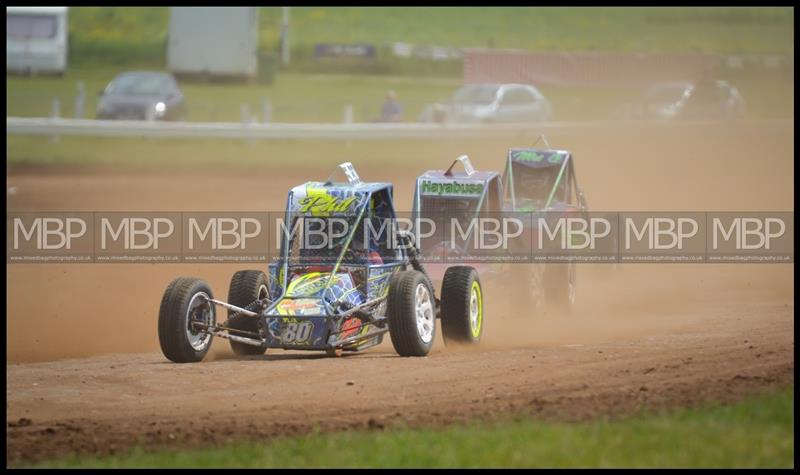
(462, 305)
(184, 311)
(411, 311)
(246, 287)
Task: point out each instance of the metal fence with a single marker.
(238, 130)
(55, 127)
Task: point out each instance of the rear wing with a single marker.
(349, 172)
(451, 183)
(482, 188)
(464, 161)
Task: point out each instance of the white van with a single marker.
(36, 40)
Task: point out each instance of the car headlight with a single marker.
(668, 111)
(160, 108)
(483, 111)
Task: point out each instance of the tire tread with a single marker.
(171, 336)
(402, 314)
(456, 289)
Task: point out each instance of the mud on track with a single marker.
(84, 372)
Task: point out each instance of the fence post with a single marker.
(245, 114)
(348, 114)
(248, 120)
(80, 100)
(253, 121)
(348, 119)
(56, 113)
(150, 114)
(266, 111)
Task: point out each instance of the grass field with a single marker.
(140, 33)
(108, 40)
(243, 155)
(296, 97)
(299, 97)
(758, 432)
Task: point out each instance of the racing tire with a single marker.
(462, 306)
(246, 287)
(411, 312)
(560, 285)
(180, 304)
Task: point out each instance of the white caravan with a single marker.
(36, 40)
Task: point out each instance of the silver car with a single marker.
(489, 103)
(704, 99)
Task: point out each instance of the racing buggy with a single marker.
(542, 181)
(441, 195)
(343, 294)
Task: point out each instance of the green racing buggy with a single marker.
(542, 181)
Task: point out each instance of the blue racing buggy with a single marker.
(343, 294)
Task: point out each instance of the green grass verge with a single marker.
(758, 432)
(135, 33)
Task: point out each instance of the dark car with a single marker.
(704, 99)
(142, 96)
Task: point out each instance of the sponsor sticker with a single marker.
(450, 188)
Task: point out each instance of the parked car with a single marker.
(491, 103)
(705, 99)
(142, 95)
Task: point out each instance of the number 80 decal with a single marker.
(296, 332)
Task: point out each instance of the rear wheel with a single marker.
(246, 287)
(533, 279)
(411, 311)
(185, 303)
(462, 305)
(560, 282)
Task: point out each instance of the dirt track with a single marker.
(108, 403)
(84, 373)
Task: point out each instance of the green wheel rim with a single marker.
(476, 309)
